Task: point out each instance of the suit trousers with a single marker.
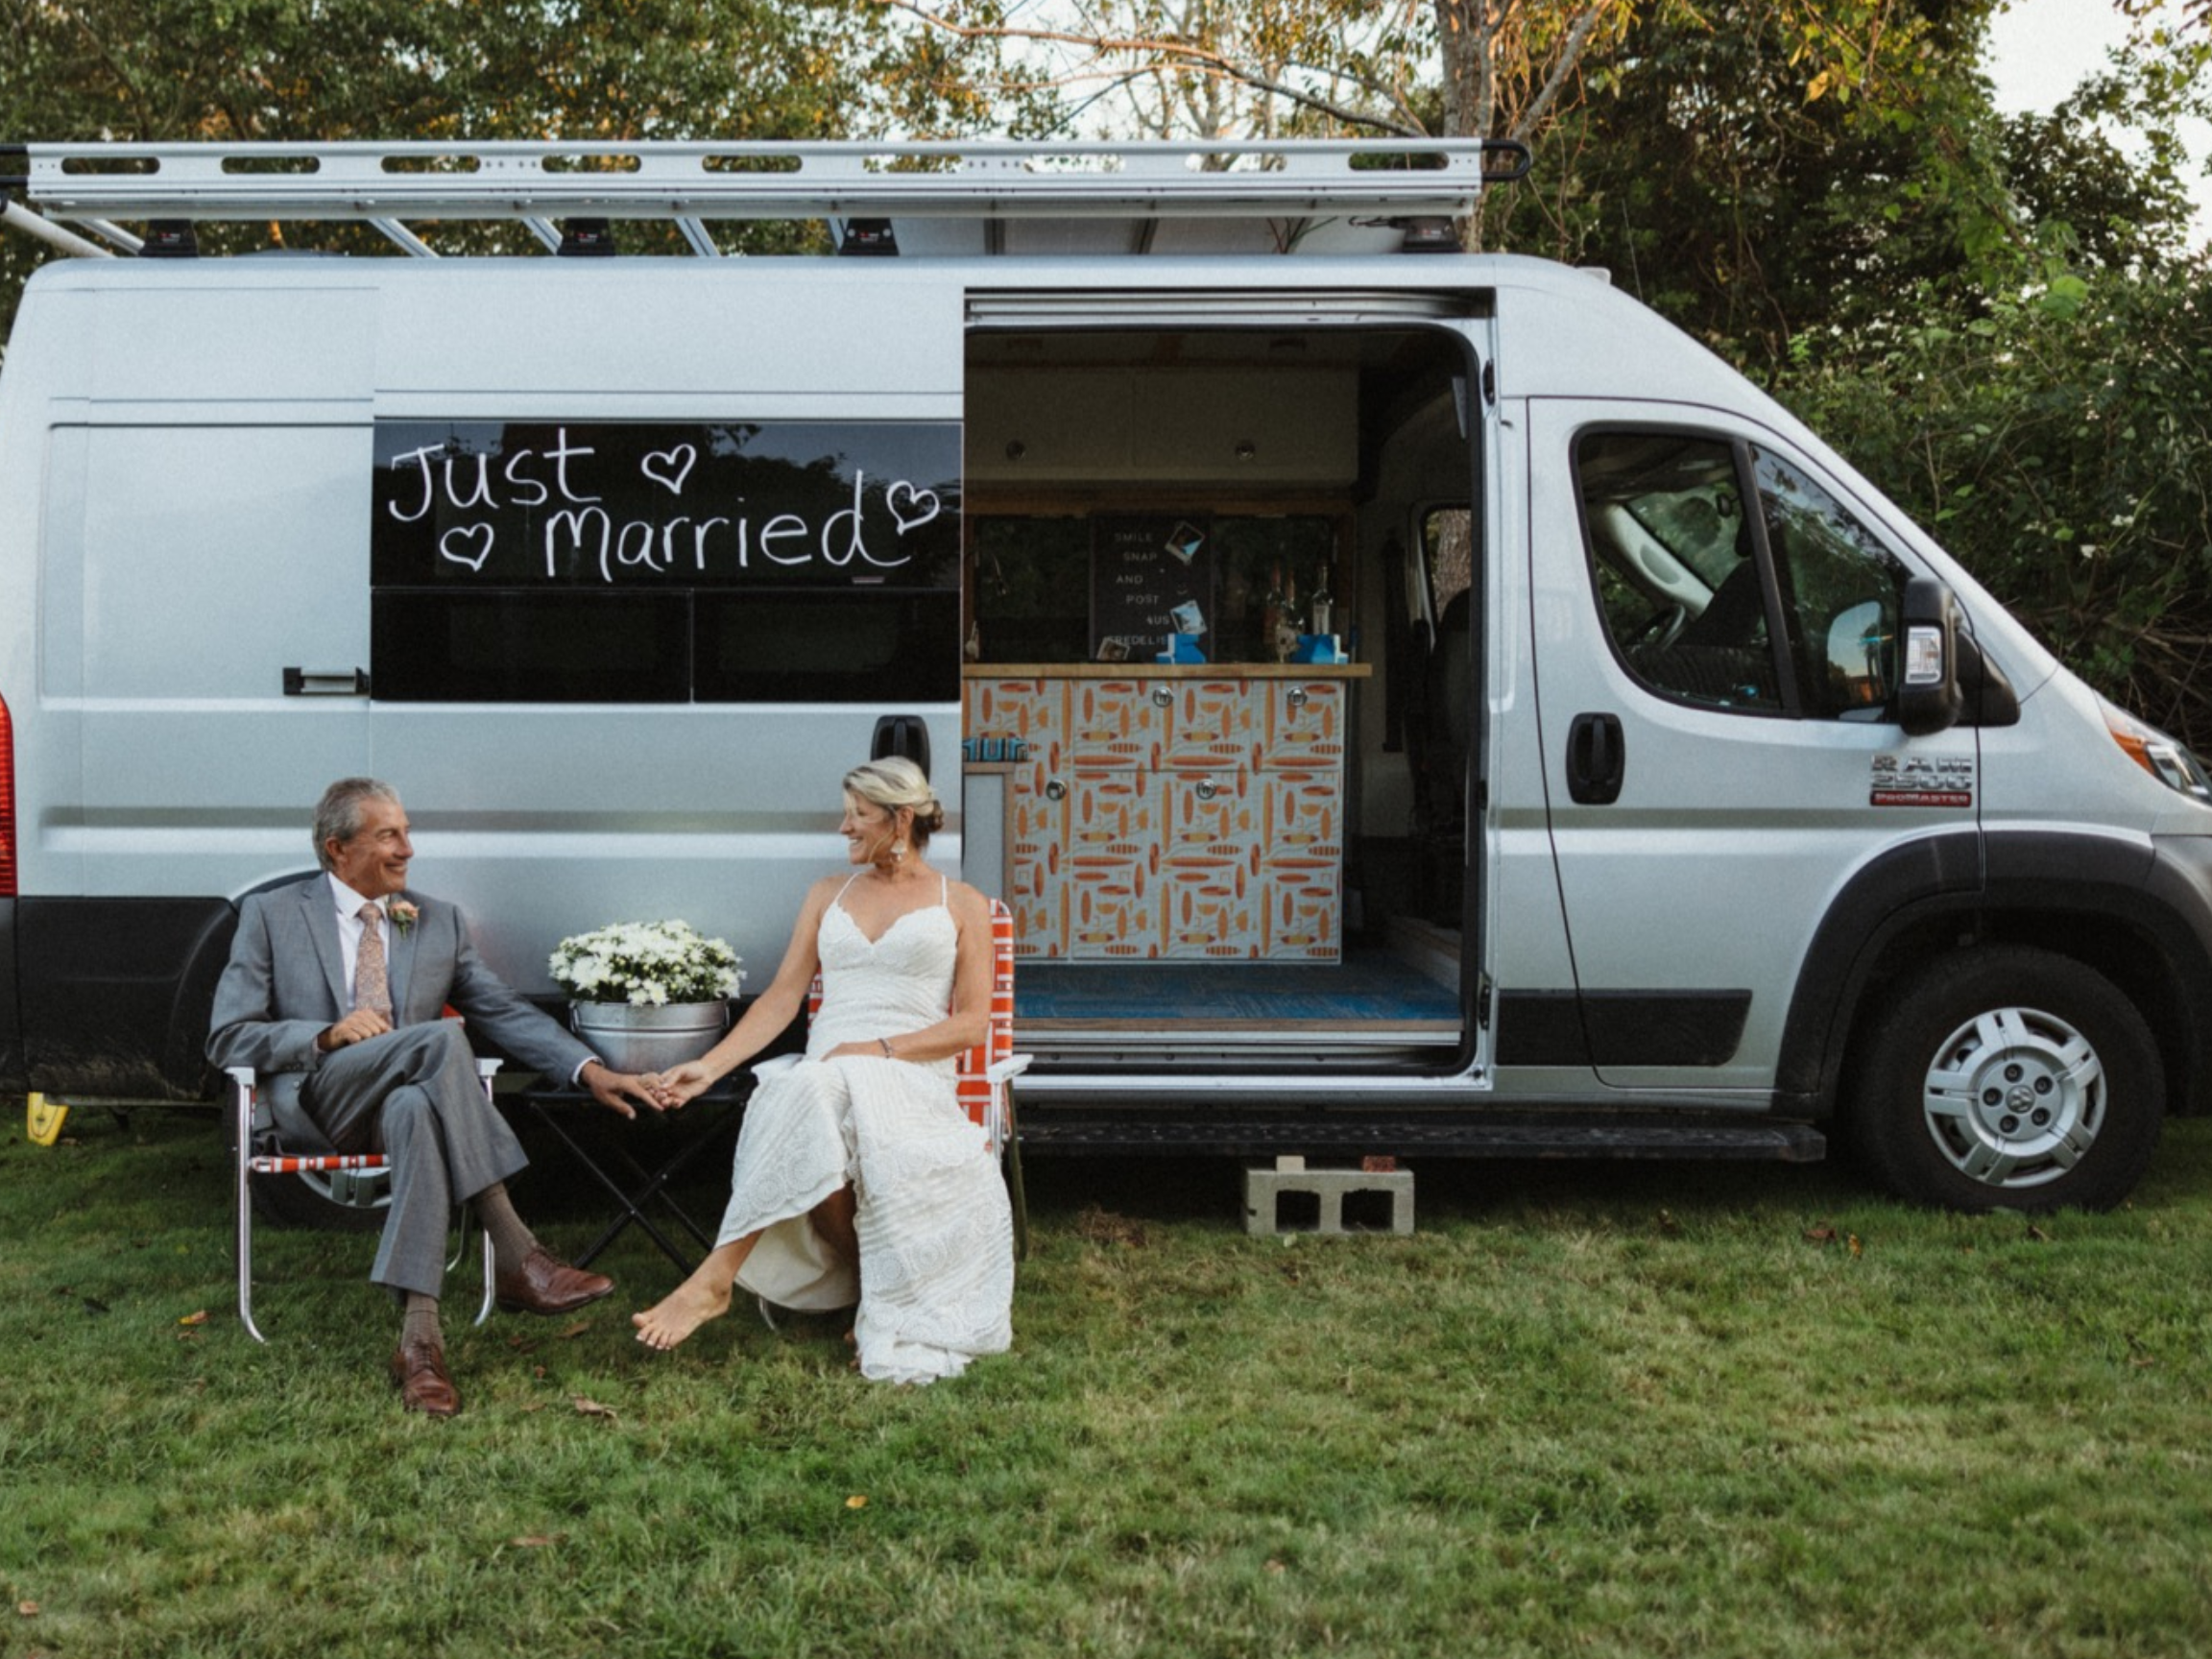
(416, 1092)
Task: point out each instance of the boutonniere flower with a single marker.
(402, 914)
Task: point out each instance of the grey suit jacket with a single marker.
(285, 985)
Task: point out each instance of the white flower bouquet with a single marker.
(647, 964)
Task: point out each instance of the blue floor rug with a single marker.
(1364, 986)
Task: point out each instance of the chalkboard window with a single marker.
(827, 648)
(641, 561)
(507, 647)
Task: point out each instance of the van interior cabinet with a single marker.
(1172, 813)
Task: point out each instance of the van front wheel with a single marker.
(2009, 1078)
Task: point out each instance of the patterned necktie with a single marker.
(371, 989)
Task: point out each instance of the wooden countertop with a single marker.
(1166, 670)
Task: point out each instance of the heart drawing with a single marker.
(669, 467)
(455, 543)
(921, 505)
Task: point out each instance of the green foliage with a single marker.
(2059, 443)
(1623, 1411)
(327, 70)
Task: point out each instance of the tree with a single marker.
(138, 70)
(2060, 445)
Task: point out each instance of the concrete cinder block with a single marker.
(1265, 1188)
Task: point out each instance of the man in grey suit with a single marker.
(335, 993)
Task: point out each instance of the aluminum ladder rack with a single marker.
(1288, 183)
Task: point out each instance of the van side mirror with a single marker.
(1928, 695)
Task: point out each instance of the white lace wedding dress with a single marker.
(936, 1277)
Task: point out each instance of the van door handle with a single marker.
(1596, 759)
(326, 682)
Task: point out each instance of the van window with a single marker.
(1448, 554)
(1842, 594)
(1691, 587)
(1035, 596)
(665, 562)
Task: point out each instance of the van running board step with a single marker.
(1049, 1133)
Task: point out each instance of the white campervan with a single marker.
(1413, 702)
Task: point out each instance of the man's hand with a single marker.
(357, 1026)
(615, 1090)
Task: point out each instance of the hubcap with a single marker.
(2014, 1097)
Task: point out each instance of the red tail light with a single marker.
(7, 803)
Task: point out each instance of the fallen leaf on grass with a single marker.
(198, 1318)
(1099, 1225)
(28, 1609)
(1821, 1235)
(536, 1541)
(1668, 1224)
(1274, 1566)
(574, 1330)
(1851, 1243)
(523, 1344)
(858, 1501)
(535, 1406)
(2037, 1235)
(587, 1406)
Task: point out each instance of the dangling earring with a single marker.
(898, 851)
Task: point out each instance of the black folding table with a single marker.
(635, 1162)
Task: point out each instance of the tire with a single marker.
(340, 1203)
(2003, 1077)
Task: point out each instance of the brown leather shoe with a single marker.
(419, 1370)
(544, 1285)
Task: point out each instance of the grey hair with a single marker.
(894, 782)
(338, 815)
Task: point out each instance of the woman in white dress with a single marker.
(857, 1176)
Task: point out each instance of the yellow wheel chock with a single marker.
(43, 1119)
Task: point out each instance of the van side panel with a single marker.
(185, 514)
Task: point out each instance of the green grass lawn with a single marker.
(1587, 1409)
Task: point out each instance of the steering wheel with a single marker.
(1659, 629)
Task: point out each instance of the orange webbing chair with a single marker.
(984, 1081)
(344, 1177)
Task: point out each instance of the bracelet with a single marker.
(886, 1041)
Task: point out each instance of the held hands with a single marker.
(679, 1085)
(615, 1090)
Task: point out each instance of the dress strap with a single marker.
(943, 892)
(849, 880)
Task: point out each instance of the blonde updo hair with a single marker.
(895, 782)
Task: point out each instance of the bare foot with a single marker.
(679, 1313)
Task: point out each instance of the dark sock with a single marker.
(420, 1322)
(511, 1241)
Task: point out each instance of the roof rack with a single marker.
(692, 181)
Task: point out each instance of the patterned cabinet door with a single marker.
(1037, 859)
(1033, 711)
(1304, 727)
(1215, 725)
(1302, 814)
(1115, 824)
(1117, 724)
(1211, 896)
